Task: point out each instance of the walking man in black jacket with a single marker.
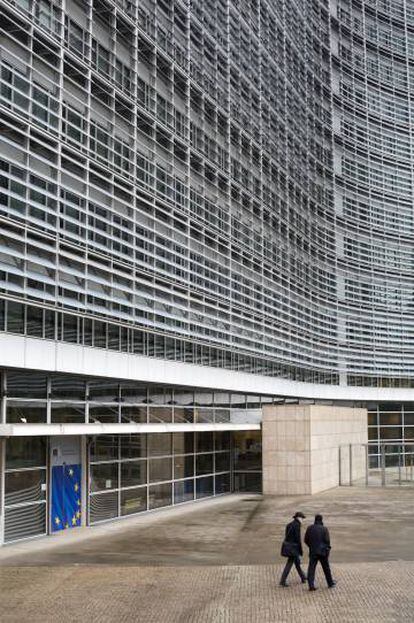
(292, 548)
(319, 543)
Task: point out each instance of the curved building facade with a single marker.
(205, 208)
(373, 72)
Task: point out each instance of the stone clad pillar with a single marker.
(301, 446)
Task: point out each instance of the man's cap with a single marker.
(299, 514)
(318, 517)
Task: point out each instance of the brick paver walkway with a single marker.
(367, 592)
(218, 562)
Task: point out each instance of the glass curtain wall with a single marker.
(134, 473)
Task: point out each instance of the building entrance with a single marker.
(66, 474)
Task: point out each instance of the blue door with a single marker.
(66, 500)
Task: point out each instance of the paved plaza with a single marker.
(218, 561)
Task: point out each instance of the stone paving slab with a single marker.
(367, 592)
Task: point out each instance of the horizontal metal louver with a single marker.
(25, 521)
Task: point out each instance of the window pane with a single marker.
(160, 495)
(133, 446)
(204, 442)
(133, 501)
(26, 385)
(183, 491)
(35, 321)
(183, 415)
(183, 443)
(15, 317)
(25, 452)
(204, 464)
(133, 473)
(22, 412)
(392, 432)
(160, 414)
(159, 444)
(222, 483)
(104, 448)
(67, 413)
(70, 329)
(103, 506)
(134, 414)
(50, 324)
(222, 440)
(204, 487)
(26, 486)
(103, 414)
(184, 466)
(222, 462)
(388, 419)
(99, 334)
(134, 393)
(104, 476)
(104, 391)
(65, 387)
(160, 469)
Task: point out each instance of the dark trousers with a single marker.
(290, 561)
(313, 561)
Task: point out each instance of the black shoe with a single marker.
(313, 588)
(333, 584)
(284, 584)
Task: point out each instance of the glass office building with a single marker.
(205, 207)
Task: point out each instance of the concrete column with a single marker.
(301, 447)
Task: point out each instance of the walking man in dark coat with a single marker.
(319, 543)
(292, 548)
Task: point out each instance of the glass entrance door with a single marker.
(66, 502)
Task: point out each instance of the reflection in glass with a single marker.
(134, 393)
(103, 476)
(133, 473)
(183, 443)
(160, 495)
(104, 391)
(68, 387)
(67, 413)
(184, 466)
(183, 415)
(103, 413)
(204, 464)
(183, 491)
(26, 385)
(15, 317)
(160, 414)
(248, 482)
(222, 416)
(25, 486)
(222, 461)
(204, 442)
(133, 501)
(160, 469)
(204, 486)
(391, 432)
(247, 448)
(134, 414)
(30, 412)
(159, 444)
(204, 415)
(104, 448)
(25, 452)
(34, 321)
(222, 483)
(133, 446)
(222, 440)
